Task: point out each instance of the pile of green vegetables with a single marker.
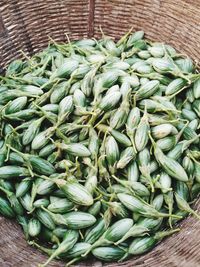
(99, 146)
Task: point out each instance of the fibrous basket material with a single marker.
(25, 25)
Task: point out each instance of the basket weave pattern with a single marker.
(25, 25)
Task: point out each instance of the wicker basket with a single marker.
(25, 25)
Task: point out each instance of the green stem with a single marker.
(8, 193)
(43, 249)
(124, 37)
(73, 261)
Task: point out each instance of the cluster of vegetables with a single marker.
(99, 146)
